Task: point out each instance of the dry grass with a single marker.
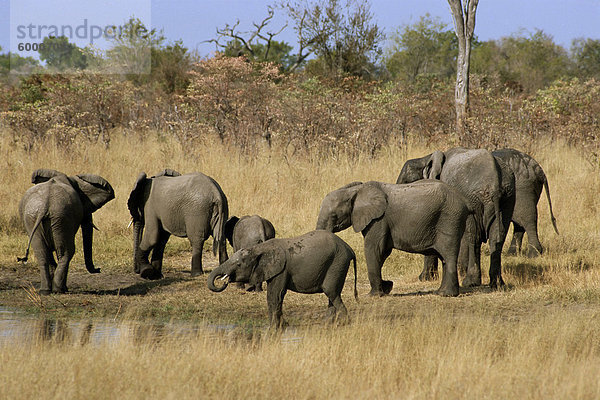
(537, 339)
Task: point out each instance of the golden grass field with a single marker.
(539, 338)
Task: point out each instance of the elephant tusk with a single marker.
(130, 222)
(95, 227)
(224, 276)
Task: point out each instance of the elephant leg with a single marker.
(158, 254)
(496, 260)
(463, 259)
(276, 290)
(473, 277)
(149, 240)
(534, 246)
(430, 269)
(337, 309)
(197, 246)
(47, 265)
(448, 248)
(375, 259)
(64, 254)
(517, 240)
(378, 247)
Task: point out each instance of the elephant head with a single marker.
(355, 204)
(253, 265)
(229, 226)
(93, 190)
(433, 167)
(427, 167)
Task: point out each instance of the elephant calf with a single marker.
(52, 211)
(247, 231)
(427, 217)
(316, 262)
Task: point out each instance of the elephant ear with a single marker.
(270, 264)
(136, 197)
(370, 203)
(44, 174)
(167, 172)
(94, 191)
(229, 226)
(433, 168)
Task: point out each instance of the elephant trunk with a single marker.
(138, 229)
(222, 271)
(324, 223)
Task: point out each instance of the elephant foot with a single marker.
(471, 281)
(447, 291)
(151, 274)
(254, 288)
(45, 292)
(533, 252)
(59, 291)
(386, 288)
(197, 273)
(426, 276)
(497, 284)
(512, 251)
(241, 285)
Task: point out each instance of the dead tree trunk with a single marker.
(464, 25)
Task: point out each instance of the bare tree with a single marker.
(464, 25)
(259, 43)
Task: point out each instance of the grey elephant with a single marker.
(52, 212)
(316, 262)
(247, 231)
(488, 185)
(191, 205)
(427, 217)
(530, 179)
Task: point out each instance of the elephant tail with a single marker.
(355, 279)
(547, 189)
(35, 226)
(218, 221)
(498, 212)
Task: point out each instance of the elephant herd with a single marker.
(443, 205)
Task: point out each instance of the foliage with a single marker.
(61, 55)
(341, 34)
(586, 57)
(426, 47)
(532, 62)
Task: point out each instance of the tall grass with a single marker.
(550, 355)
(538, 339)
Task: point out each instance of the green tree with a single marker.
(131, 52)
(530, 62)
(586, 57)
(427, 47)
(14, 62)
(58, 53)
(170, 65)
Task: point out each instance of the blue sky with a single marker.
(195, 21)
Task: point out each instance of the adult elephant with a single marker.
(52, 212)
(488, 185)
(427, 217)
(191, 205)
(245, 232)
(530, 179)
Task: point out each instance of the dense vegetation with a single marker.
(351, 93)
